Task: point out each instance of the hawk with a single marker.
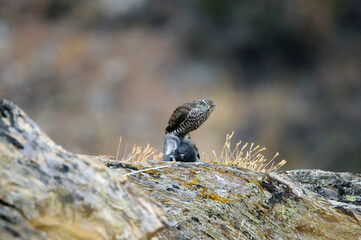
(189, 116)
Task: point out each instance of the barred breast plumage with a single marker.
(189, 116)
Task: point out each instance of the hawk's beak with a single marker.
(211, 108)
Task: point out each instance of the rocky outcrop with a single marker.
(340, 187)
(208, 201)
(343, 190)
(49, 193)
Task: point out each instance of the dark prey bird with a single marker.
(186, 152)
(189, 116)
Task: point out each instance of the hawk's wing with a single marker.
(179, 115)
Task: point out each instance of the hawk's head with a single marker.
(206, 105)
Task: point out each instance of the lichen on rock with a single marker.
(210, 201)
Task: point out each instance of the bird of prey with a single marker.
(189, 116)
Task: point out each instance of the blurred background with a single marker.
(283, 74)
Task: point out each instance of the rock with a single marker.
(209, 201)
(338, 188)
(49, 193)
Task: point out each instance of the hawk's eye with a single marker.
(203, 104)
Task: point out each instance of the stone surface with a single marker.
(343, 190)
(209, 201)
(49, 193)
(342, 187)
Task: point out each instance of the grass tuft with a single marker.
(138, 153)
(143, 154)
(246, 155)
(243, 155)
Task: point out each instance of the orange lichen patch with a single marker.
(195, 181)
(217, 197)
(162, 200)
(213, 196)
(223, 171)
(192, 183)
(178, 179)
(239, 195)
(204, 191)
(153, 171)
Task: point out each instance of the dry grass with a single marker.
(243, 155)
(246, 155)
(138, 153)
